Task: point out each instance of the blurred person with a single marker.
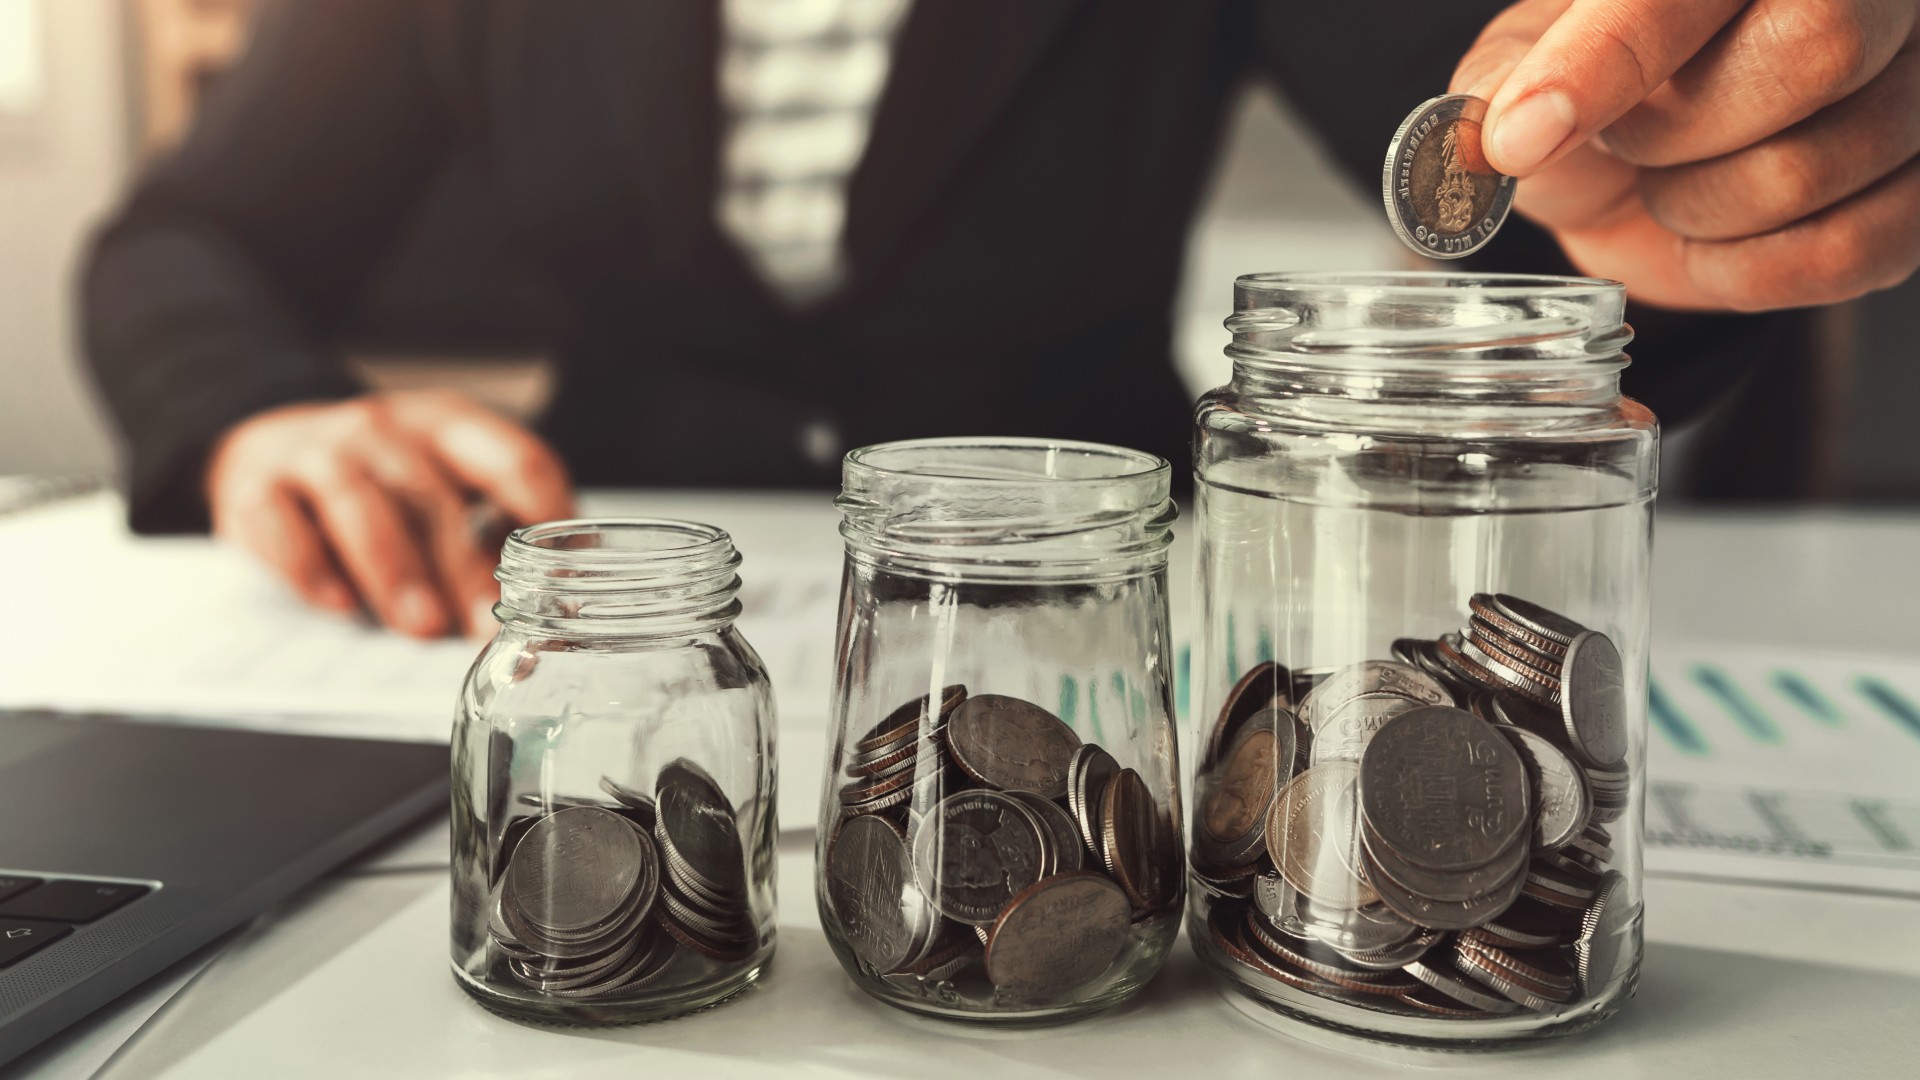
(784, 228)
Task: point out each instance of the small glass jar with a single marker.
(613, 780)
(1420, 670)
(999, 837)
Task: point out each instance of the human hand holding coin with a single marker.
(1712, 154)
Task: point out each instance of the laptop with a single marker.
(127, 846)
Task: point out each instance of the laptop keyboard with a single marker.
(35, 912)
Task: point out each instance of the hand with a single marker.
(1712, 154)
(369, 501)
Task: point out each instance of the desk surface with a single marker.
(352, 978)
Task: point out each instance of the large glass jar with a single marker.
(613, 780)
(999, 837)
(1420, 666)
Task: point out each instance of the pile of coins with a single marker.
(589, 901)
(980, 830)
(1425, 835)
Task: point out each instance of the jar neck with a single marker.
(624, 577)
(1379, 342)
(1004, 509)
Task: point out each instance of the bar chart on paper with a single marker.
(1786, 767)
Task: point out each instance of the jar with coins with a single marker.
(1420, 660)
(613, 780)
(999, 835)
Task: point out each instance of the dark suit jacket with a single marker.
(1015, 230)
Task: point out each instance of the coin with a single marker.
(1443, 789)
(869, 875)
(1442, 197)
(974, 852)
(1450, 885)
(1549, 625)
(1364, 929)
(1313, 835)
(1057, 935)
(907, 721)
(1344, 731)
(1605, 927)
(1558, 888)
(578, 868)
(1442, 975)
(698, 828)
(1011, 744)
(1594, 701)
(1397, 955)
(1561, 804)
(1234, 803)
(1066, 852)
(1265, 685)
(1089, 772)
(1482, 665)
(1449, 914)
(1137, 842)
(1482, 970)
(1528, 924)
(1369, 678)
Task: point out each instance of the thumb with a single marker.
(1555, 72)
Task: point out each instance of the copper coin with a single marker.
(1057, 935)
(1482, 609)
(1531, 664)
(1536, 686)
(1136, 842)
(1544, 971)
(1235, 800)
(1010, 744)
(907, 721)
(1263, 686)
(1484, 972)
(1439, 973)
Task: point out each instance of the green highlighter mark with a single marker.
(1802, 693)
(1890, 702)
(1672, 722)
(1738, 705)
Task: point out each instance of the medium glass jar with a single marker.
(1420, 667)
(999, 833)
(613, 780)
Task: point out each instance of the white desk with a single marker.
(352, 980)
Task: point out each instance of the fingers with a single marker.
(273, 524)
(1777, 63)
(1870, 241)
(491, 455)
(1837, 153)
(368, 530)
(440, 520)
(1565, 70)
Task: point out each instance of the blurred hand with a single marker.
(1712, 154)
(369, 501)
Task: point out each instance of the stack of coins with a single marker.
(980, 831)
(1424, 835)
(590, 901)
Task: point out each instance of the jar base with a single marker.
(644, 1010)
(1054, 1016)
(1324, 1022)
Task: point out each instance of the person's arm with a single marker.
(212, 299)
(211, 295)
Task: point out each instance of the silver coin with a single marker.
(577, 868)
(1604, 926)
(976, 851)
(1397, 955)
(1342, 733)
(1279, 902)
(1452, 885)
(1442, 197)
(1483, 970)
(1057, 935)
(1370, 678)
(1444, 977)
(1088, 774)
(1449, 914)
(1363, 929)
(1066, 852)
(1011, 744)
(1594, 700)
(1443, 790)
(1551, 625)
(698, 824)
(869, 887)
(1533, 685)
(1561, 803)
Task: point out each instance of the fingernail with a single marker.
(1530, 130)
(416, 610)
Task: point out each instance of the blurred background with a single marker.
(89, 89)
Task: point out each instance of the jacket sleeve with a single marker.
(1355, 69)
(212, 292)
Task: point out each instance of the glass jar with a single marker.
(613, 780)
(999, 837)
(1420, 666)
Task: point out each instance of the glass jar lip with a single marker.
(874, 461)
(1429, 283)
(546, 539)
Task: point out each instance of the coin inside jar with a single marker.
(1312, 836)
(1058, 934)
(1233, 809)
(975, 851)
(868, 871)
(576, 869)
(1441, 787)
(1011, 744)
(1442, 198)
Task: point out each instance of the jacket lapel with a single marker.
(957, 66)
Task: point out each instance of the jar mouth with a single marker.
(1004, 506)
(1248, 289)
(635, 573)
(1004, 461)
